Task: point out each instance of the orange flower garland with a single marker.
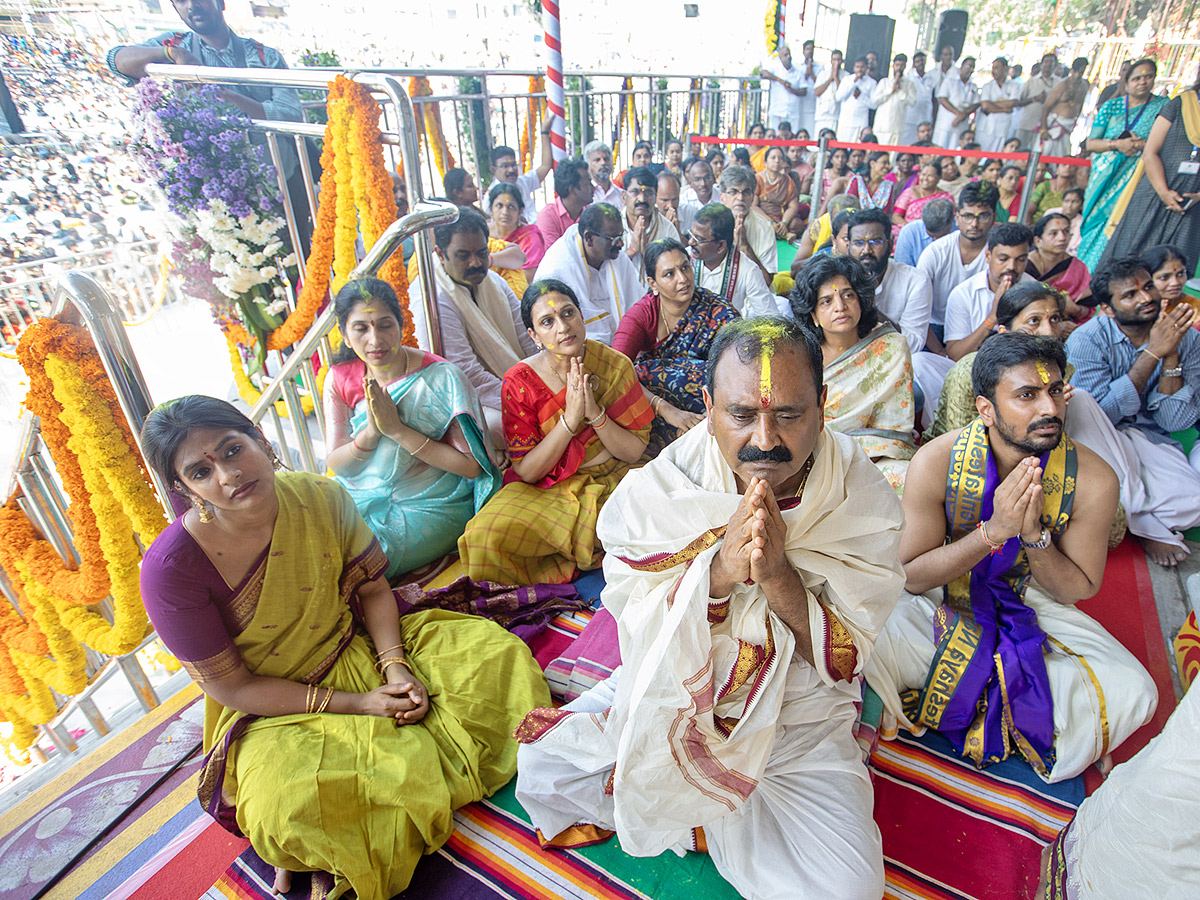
(97, 459)
(431, 124)
(534, 113)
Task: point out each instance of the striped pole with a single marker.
(554, 78)
(782, 21)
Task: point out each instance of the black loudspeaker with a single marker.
(870, 33)
(952, 30)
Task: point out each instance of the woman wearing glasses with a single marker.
(868, 366)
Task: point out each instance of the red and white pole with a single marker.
(554, 78)
(782, 21)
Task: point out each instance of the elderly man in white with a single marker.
(589, 257)
(752, 231)
(745, 607)
(598, 156)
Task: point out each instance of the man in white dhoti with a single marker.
(1062, 108)
(1006, 523)
(589, 258)
(959, 99)
(749, 568)
(1140, 831)
(1142, 364)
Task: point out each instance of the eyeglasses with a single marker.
(617, 241)
(733, 192)
(872, 243)
(975, 217)
(692, 242)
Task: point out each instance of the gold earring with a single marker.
(275, 460)
(202, 511)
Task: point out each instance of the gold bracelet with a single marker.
(399, 647)
(325, 702)
(422, 447)
(1152, 353)
(384, 663)
(167, 53)
(310, 697)
(566, 427)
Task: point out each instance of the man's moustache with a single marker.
(470, 272)
(1042, 423)
(752, 454)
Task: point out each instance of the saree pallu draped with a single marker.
(674, 370)
(1068, 275)
(988, 684)
(871, 399)
(1111, 171)
(540, 533)
(417, 511)
(294, 784)
(515, 277)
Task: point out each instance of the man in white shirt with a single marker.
(600, 166)
(504, 168)
(828, 107)
(723, 269)
(854, 93)
(642, 221)
(958, 99)
(952, 259)
(752, 231)
(701, 181)
(588, 258)
(783, 100)
(902, 293)
(806, 112)
(893, 99)
(924, 83)
(997, 101)
(971, 307)
(1033, 99)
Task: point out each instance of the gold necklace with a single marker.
(804, 478)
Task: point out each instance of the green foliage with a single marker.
(1025, 18)
(472, 115)
(318, 58)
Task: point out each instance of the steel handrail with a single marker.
(427, 215)
(80, 297)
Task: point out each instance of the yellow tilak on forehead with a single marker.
(767, 333)
(550, 303)
(1042, 373)
(369, 310)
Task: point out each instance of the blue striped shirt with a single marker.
(1103, 355)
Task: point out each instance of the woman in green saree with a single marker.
(1118, 135)
(270, 591)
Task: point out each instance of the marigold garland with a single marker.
(771, 27)
(97, 459)
(430, 124)
(535, 112)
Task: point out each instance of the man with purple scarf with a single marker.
(1006, 529)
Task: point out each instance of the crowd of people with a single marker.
(900, 462)
(71, 195)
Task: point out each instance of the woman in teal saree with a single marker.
(406, 433)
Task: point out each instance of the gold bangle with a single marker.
(167, 53)
(1152, 353)
(566, 427)
(399, 647)
(422, 447)
(384, 663)
(310, 697)
(325, 703)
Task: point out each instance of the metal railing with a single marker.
(299, 364)
(131, 273)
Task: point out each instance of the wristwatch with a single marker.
(1037, 545)
(1176, 372)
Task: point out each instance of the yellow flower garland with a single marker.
(248, 392)
(771, 27)
(116, 492)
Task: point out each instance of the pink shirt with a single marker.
(552, 220)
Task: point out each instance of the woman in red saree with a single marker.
(575, 420)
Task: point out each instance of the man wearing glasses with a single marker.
(902, 293)
(588, 258)
(723, 269)
(752, 231)
(951, 260)
(643, 223)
